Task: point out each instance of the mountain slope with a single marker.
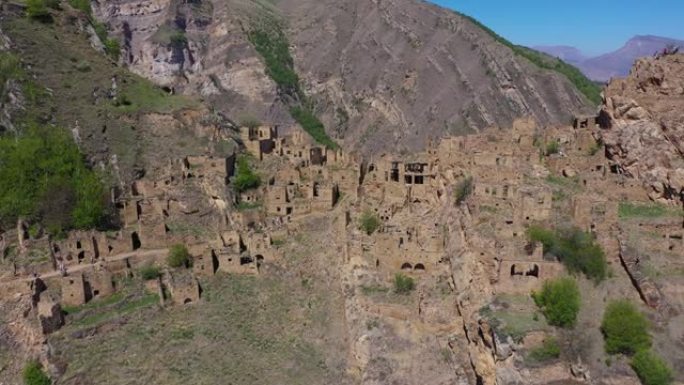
(381, 75)
(404, 72)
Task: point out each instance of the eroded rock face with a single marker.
(643, 125)
(404, 72)
(383, 75)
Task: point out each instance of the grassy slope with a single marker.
(246, 331)
(588, 88)
(62, 60)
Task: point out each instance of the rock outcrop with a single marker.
(643, 125)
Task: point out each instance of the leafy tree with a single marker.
(33, 374)
(576, 249)
(403, 284)
(245, 179)
(369, 222)
(552, 147)
(651, 369)
(178, 256)
(625, 328)
(559, 301)
(47, 180)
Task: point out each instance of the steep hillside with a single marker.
(379, 75)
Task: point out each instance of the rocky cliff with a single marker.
(382, 74)
(643, 125)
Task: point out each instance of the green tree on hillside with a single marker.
(625, 328)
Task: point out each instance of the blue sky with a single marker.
(594, 26)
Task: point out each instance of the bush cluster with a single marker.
(33, 374)
(559, 301)
(625, 328)
(549, 350)
(179, 256)
(625, 331)
(403, 284)
(463, 190)
(245, 178)
(651, 369)
(306, 118)
(46, 180)
(150, 272)
(369, 222)
(576, 249)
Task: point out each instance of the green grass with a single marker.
(549, 350)
(142, 96)
(403, 284)
(246, 330)
(123, 307)
(541, 60)
(628, 210)
(94, 305)
(247, 206)
(374, 289)
(33, 374)
(516, 324)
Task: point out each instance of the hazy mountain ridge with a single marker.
(613, 64)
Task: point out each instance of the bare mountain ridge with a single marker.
(614, 64)
(382, 74)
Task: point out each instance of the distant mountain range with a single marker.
(613, 64)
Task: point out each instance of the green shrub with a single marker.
(625, 328)
(112, 48)
(306, 118)
(50, 181)
(549, 350)
(552, 147)
(463, 190)
(178, 256)
(150, 272)
(559, 301)
(651, 369)
(272, 45)
(403, 284)
(576, 249)
(82, 5)
(38, 10)
(369, 222)
(33, 374)
(245, 178)
(178, 39)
